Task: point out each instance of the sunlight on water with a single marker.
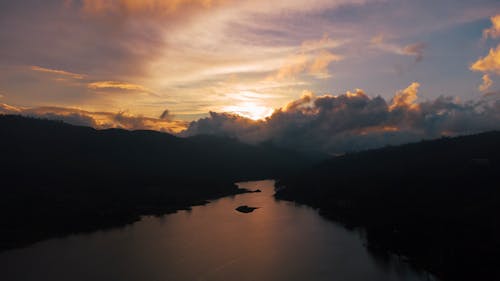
(278, 241)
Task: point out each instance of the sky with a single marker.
(181, 65)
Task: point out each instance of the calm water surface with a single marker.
(278, 241)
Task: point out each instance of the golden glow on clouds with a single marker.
(249, 104)
(92, 85)
(489, 63)
(305, 100)
(406, 98)
(319, 66)
(313, 59)
(99, 119)
(196, 56)
(357, 92)
(58, 72)
(295, 65)
(142, 6)
(494, 30)
(487, 82)
(218, 71)
(117, 85)
(8, 109)
(250, 110)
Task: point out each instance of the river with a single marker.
(278, 241)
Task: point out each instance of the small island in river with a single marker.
(245, 209)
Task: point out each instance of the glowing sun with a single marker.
(249, 110)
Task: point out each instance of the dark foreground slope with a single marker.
(436, 203)
(57, 178)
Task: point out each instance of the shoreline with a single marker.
(26, 235)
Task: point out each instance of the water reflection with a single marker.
(278, 241)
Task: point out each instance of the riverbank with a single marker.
(435, 203)
(280, 241)
(81, 213)
(451, 250)
(58, 178)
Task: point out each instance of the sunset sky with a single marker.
(172, 61)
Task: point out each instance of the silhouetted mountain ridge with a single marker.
(59, 178)
(435, 202)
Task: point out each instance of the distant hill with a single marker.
(434, 202)
(58, 178)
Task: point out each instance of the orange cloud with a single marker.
(306, 98)
(357, 93)
(489, 63)
(99, 120)
(494, 30)
(313, 59)
(143, 6)
(354, 121)
(487, 82)
(8, 109)
(251, 110)
(294, 65)
(57, 72)
(406, 98)
(117, 85)
(319, 66)
(324, 43)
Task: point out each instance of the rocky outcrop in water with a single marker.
(245, 209)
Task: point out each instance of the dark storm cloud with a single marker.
(355, 121)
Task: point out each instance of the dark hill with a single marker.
(57, 178)
(436, 203)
